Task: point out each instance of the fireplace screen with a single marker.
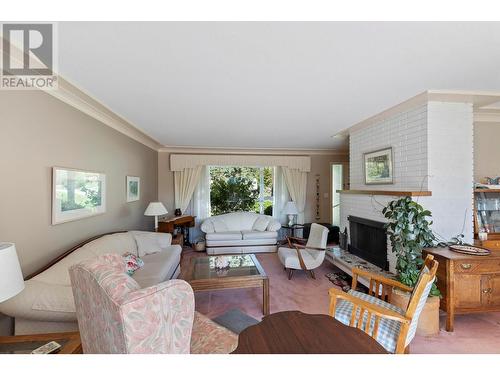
(368, 240)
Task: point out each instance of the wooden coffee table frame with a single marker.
(233, 282)
(73, 344)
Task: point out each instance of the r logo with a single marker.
(36, 42)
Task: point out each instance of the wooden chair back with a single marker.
(427, 275)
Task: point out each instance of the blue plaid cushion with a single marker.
(388, 330)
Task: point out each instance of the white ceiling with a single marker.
(278, 84)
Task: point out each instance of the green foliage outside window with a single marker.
(237, 189)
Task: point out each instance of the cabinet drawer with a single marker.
(465, 266)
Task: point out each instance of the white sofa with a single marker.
(47, 305)
(240, 232)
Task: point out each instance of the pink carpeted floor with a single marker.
(474, 333)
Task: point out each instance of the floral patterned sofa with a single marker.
(116, 316)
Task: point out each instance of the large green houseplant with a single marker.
(409, 231)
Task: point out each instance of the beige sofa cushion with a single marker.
(158, 267)
(36, 295)
(257, 235)
(224, 236)
(55, 298)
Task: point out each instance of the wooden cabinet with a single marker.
(468, 291)
(469, 284)
(491, 291)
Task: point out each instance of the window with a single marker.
(241, 189)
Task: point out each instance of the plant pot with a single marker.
(428, 322)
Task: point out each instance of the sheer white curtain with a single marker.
(200, 203)
(201, 196)
(296, 182)
(281, 195)
(185, 183)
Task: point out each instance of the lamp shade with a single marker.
(11, 277)
(155, 209)
(290, 208)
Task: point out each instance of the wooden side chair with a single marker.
(391, 326)
(305, 254)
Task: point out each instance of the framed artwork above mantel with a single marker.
(378, 167)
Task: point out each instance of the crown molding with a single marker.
(487, 115)
(251, 151)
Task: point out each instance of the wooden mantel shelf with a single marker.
(388, 192)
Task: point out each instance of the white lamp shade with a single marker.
(11, 277)
(155, 209)
(290, 208)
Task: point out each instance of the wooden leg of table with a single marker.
(450, 296)
(265, 297)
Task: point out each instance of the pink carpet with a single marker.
(474, 333)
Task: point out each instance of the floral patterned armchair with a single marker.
(116, 316)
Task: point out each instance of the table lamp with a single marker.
(290, 210)
(11, 277)
(155, 209)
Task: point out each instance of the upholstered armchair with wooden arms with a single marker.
(302, 254)
(391, 326)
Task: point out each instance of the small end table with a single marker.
(292, 228)
(24, 344)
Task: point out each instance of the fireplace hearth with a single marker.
(368, 240)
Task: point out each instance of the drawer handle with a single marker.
(466, 266)
(487, 290)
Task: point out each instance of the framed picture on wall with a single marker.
(133, 188)
(378, 167)
(77, 194)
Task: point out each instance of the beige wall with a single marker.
(486, 151)
(320, 165)
(37, 132)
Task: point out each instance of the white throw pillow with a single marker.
(208, 226)
(261, 223)
(147, 243)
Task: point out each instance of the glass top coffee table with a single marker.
(240, 271)
(24, 344)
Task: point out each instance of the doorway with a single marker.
(337, 183)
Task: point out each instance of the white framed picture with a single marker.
(77, 194)
(133, 188)
(378, 167)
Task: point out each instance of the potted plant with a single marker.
(409, 231)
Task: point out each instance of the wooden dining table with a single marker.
(294, 332)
